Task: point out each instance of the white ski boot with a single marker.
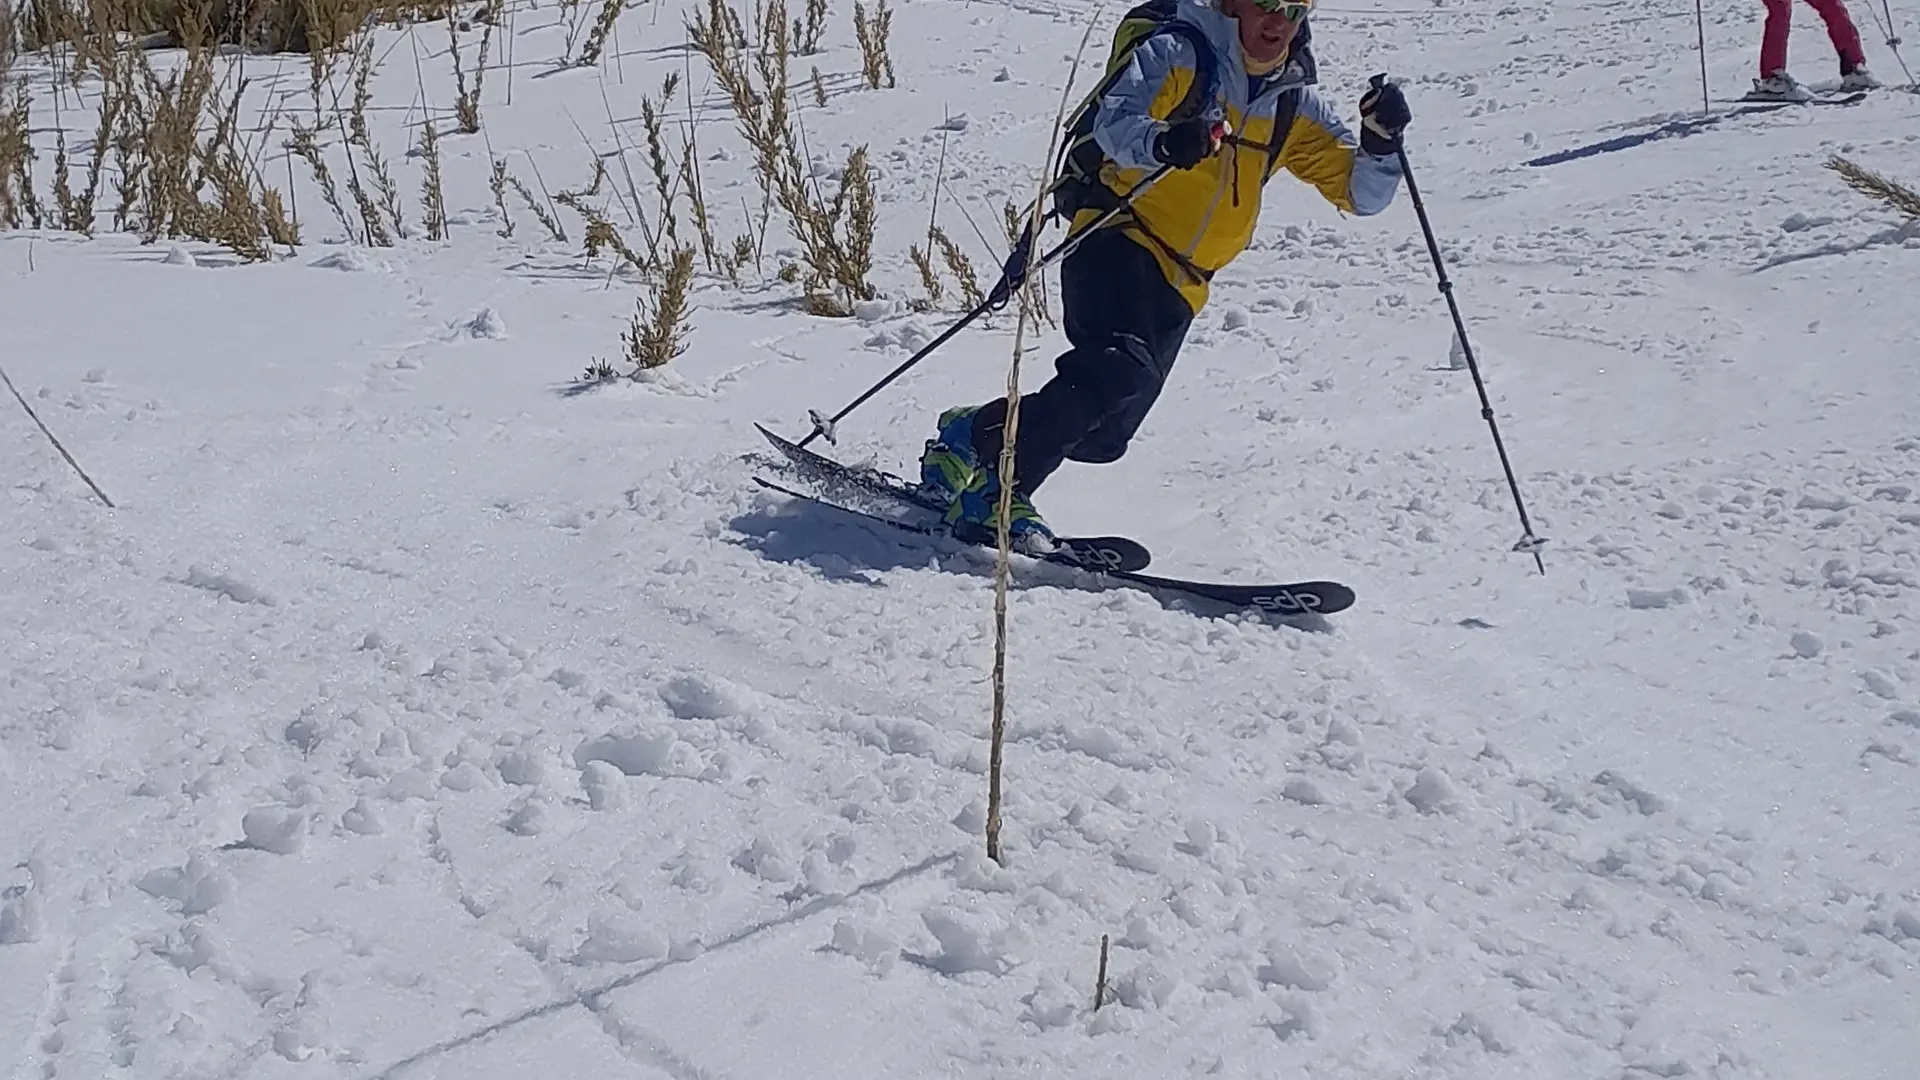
(1858, 79)
(1779, 86)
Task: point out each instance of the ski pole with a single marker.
(1700, 24)
(1012, 275)
(1893, 41)
(1528, 542)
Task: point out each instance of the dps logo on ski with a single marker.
(1287, 603)
(1103, 556)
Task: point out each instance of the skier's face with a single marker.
(1266, 35)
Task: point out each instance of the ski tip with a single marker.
(780, 442)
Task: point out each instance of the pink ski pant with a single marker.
(1773, 43)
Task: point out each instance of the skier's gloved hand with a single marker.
(1186, 143)
(1383, 116)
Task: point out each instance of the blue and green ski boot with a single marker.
(952, 472)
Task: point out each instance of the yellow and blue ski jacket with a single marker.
(1197, 220)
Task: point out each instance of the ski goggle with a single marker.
(1290, 10)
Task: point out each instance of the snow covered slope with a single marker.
(413, 715)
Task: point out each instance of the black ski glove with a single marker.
(1383, 116)
(1186, 143)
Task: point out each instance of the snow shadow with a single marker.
(1677, 128)
(846, 547)
(840, 547)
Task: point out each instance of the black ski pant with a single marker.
(1126, 323)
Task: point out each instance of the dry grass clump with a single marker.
(658, 332)
(596, 43)
(19, 206)
(181, 168)
(96, 29)
(466, 102)
(872, 33)
(835, 235)
(169, 134)
(176, 151)
(1889, 193)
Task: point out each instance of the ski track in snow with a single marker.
(415, 717)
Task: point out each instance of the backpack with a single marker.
(1077, 185)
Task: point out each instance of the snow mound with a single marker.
(640, 751)
(352, 260)
(198, 886)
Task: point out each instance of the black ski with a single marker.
(1285, 599)
(1766, 104)
(1106, 554)
(851, 481)
(881, 495)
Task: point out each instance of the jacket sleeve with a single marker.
(1323, 152)
(1157, 74)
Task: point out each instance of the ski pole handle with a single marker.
(1375, 85)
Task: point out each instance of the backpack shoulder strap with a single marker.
(1148, 20)
(1205, 87)
(1079, 160)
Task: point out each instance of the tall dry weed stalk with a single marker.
(466, 101)
(654, 121)
(19, 205)
(1009, 481)
(596, 42)
(1890, 193)
(362, 71)
(433, 195)
(929, 277)
(956, 260)
(603, 236)
(543, 214)
(809, 33)
(304, 143)
(387, 189)
(836, 237)
(696, 195)
(373, 227)
(497, 183)
(9, 38)
(659, 329)
(574, 12)
(872, 33)
(1100, 977)
(961, 267)
(737, 258)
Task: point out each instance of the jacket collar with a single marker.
(1299, 70)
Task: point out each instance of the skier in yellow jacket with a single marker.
(1224, 121)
